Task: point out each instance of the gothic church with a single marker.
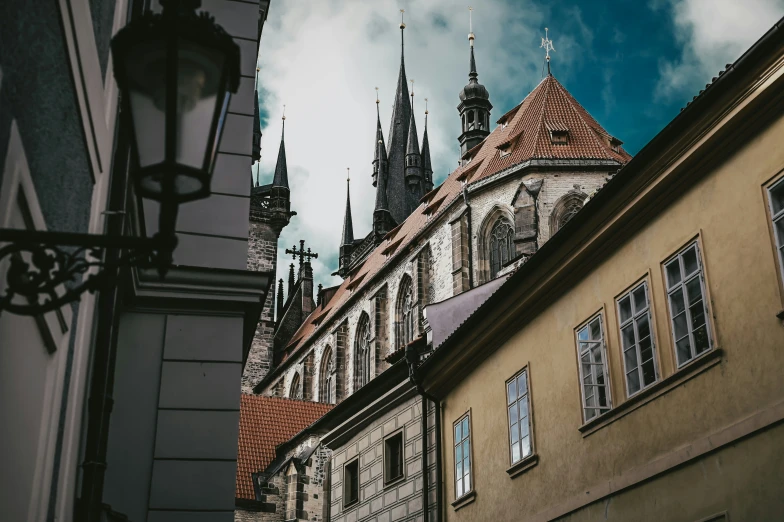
(517, 184)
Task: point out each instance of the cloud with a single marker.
(712, 33)
(324, 58)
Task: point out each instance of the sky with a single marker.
(631, 63)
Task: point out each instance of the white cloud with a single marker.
(324, 58)
(712, 33)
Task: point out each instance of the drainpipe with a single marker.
(411, 359)
(470, 233)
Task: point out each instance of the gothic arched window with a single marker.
(501, 245)
(295, 392)
(565, 209)
(327, 377)
(362, 352)
(404, 314)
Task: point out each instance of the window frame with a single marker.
(627, 292)
(394, 480)
(773, 217)
(525, 369)
(606, 364)
(469, 438)
(346, 501)
(701, 275)
(508, 241)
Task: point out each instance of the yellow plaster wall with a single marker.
(727, 209)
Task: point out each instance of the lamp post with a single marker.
(176, 71)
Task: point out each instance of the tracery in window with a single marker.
(405, 313)
(295, 391)
(565, 209)
(327, 377)
(501, 245)
(362, 352)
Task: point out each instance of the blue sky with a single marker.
(631, 64)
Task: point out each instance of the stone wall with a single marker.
(402, 499)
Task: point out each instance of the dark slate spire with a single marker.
(379, 139)
(281, 178)
(383, 175)
(427, 168)
(291, 279)
(348, 225)
(413, 162)
(474, 107)
(397, 196)
(280, 298)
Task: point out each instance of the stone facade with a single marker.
(379, 501)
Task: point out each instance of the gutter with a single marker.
(411, 359)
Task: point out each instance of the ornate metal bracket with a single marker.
(42, 274)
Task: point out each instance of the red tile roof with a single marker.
(548, 105)
(265, 423)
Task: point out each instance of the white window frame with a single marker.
(514, 404)
(680, 287)
(633, 320)
(466, 460)
(584, 347)
(776, 218)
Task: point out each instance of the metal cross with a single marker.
(547, 44)
(304, 255)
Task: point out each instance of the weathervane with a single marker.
(402, 24)
(547, 44)
(470, 26)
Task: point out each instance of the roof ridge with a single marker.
(541, 115)
(571, 101)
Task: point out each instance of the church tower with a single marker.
(474, 107)
(270, 212)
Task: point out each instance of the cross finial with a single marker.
(470, 25)
(304, 255)
(547, 44)
(402, 24)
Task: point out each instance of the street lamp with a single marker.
(176, 71)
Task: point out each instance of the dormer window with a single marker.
(505, 150)
(559, 137)
(615, 145)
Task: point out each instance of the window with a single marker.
(327, 379)
(593, 368)
(776, 195)
(519, 415)
(362, 352)
(462, 457)
(501, 245)
(565, 209)
(636, 339)
(686, 294)
(294, 389)
(351, 482)
(405, 312)
(393, 457)
(559, 137)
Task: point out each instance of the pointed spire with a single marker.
(379, 139)
(291, 279)
(280, 298)
(413, 139)
(281, 177)
(426, 164)
(383, 172)
(348, 225)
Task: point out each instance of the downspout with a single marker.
(411, 359)
(470, 233)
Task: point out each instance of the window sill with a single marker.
(350, 504)
(658, 389)
(394, 481)
(524, 465)
(464, 500)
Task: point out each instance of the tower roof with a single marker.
(348, 223)
(474, 89)
(281, 177)
(413, 140)
(379, 138)
(426, 164)
(383, 172)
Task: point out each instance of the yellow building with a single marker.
(633, 368)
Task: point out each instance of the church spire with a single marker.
(376, 149)
(427, 169)
(474, 107)
(413, 161)
(348, 224)
(281, 177)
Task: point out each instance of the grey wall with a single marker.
(398, 501)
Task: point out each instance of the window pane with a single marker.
(627, 337)
(522, 385)
(512, 413)
(680, 326)
(459, 487)
(643, 327)
(777, 198)
(458, 432)
(646, 349)
(596, 329)
(460, 468)
(466, 453)
(467, 481)
(459, 453)
(694, 290)
(676, 302)
(630, 359)
(523, 429)
(640, 301)
(701, 339)
(682, 349)
(511, 391)
(515, 433)
(648, 373)
(515, 452)
(523, 410)
(673, 273)
(526, 444)
(633, 380)
(582, 335)
(779, 226)
(697, 315)
(465, 428)
(625, 309)
(690, 261)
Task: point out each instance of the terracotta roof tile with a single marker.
(526, 129)
(266, 422)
